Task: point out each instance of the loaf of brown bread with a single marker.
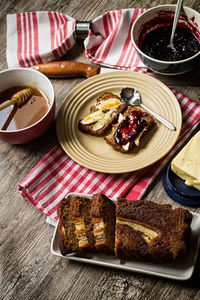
(102, 115)
(131, 230)
(150, 232)
(132, 125)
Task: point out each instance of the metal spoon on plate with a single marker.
(132, 97)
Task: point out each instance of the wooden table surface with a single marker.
(28, 270)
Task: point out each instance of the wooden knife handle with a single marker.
(61, 69)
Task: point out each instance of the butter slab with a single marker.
(186, 164)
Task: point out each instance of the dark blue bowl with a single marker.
(156, 14)
(178, 191)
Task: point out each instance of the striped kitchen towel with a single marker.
(109, 40)
(38, 37)
(57, 174)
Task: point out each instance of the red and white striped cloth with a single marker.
(38, 37)
(109, 40)
(57, 174)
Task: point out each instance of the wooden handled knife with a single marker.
(62, 69)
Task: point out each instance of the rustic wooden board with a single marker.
(28, 270)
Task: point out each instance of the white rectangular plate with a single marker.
(182, 269)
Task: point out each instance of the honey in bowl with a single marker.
(13, 118)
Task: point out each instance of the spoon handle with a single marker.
(158, 117)
(176, 17)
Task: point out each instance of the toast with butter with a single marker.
(102, 115)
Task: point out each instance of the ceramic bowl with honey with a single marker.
(151, 34)
(30, 115)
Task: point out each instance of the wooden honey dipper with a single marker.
(19, 98)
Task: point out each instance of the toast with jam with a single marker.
(132, 125)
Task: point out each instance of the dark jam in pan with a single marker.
(130, 127)
(155, 44)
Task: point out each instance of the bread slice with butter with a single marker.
(186, 164)
(102, 114)
(132, 125)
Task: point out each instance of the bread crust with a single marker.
(88, 128)
(110, 139)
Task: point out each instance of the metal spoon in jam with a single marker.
(175, 22)
(132, 97)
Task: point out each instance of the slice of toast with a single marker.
(102, 115)
(132, 125)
